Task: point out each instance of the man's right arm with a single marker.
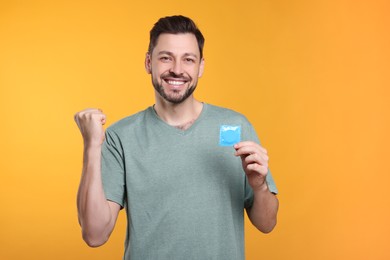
(97, 216)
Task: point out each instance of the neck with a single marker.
(181, 115)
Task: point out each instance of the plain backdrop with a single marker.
(312, 77)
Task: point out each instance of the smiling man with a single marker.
(184, 170)
(180, 70)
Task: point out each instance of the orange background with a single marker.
(312, 76)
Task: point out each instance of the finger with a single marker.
(89, 116)
(256, 162)
(76, 118)
(263, 157)
(245, 150)
(97, 117)
(90, 113)
(262, 149)
(244, 143)
(89, 110)
(256, 158)
(78, 115)
(250, 144)
(103, 120)
(263, 170)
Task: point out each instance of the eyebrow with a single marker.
(171, 53)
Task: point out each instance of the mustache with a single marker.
(170, 75)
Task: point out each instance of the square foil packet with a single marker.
(229, 135)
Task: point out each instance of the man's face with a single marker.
(175, 66)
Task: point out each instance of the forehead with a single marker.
(177, 44)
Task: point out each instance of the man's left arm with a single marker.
(263, 213)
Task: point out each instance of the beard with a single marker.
(176, 97)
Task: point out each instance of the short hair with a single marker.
(176, 24)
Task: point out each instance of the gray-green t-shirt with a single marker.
(183, 192)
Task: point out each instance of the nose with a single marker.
(177, 68)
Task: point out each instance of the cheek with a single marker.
(195, 74)
(159, 70)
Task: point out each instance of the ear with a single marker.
(148, 65)
(201, 68)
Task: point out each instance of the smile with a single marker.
(175, 82)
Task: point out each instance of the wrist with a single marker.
(92, 157)
(91, 145)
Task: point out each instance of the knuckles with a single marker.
(88, 115)
(262, 169)
(255, 157)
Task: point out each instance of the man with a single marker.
(173, 166)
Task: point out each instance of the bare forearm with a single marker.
(263, 213)
(93, 209)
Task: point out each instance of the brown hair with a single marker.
(175, 25)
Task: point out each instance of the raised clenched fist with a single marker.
(90, 122)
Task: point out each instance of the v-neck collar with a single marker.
(174, 129)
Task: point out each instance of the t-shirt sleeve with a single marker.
(113, 170)
(249, 134)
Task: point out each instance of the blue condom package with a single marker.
(229, 135)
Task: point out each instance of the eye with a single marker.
(165, 58)
(189, 60)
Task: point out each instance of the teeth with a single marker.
(172, 82)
